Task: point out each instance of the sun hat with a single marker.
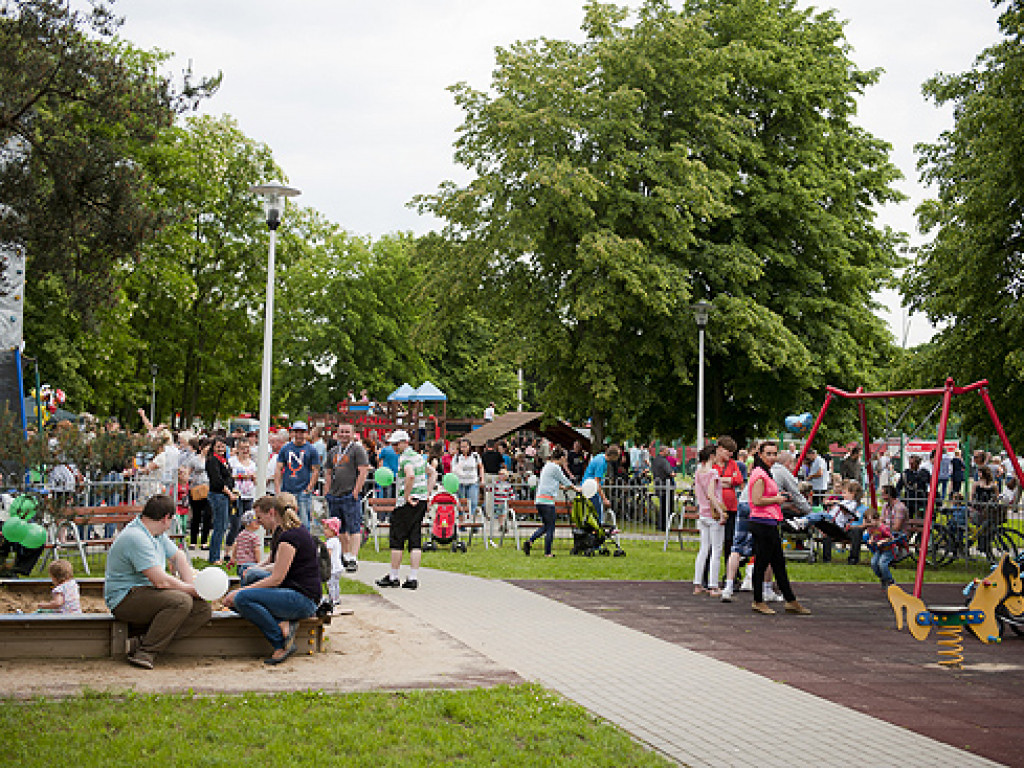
(398, 436)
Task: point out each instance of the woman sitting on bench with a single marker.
(276, 603)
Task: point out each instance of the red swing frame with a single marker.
(947, 392)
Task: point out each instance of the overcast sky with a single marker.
(350, 95)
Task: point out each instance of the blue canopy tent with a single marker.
(402, 394)
(427, 392)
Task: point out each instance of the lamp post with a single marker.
(274, 195)
(701, 310)
(153, 370)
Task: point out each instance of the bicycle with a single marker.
(974, 531)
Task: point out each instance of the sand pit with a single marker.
(378, 647)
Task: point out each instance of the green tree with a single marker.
(969, 279)
(708, 153)
(78, 108)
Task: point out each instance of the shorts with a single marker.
(347, 509)
(407, 526)
(742, 540)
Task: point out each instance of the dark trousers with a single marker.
(547, 517)
(201, 524)
(768, 551)
(167, 613)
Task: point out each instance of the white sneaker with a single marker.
(727, 595)
(771, 596)
(799, 523)
(747, 585)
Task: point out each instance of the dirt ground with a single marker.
(378, 647)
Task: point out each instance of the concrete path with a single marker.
(692, 708)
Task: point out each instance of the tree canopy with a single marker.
(969, 278)
(706, 153)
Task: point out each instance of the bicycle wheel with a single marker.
(941, 547)
(1000, 543)
(1016, 539)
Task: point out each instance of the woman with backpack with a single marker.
(291, 592)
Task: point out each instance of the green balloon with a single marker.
(450, 482)
(14, 530)
(34, 537)
(384, 477)
(24, 506)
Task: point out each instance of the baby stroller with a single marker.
(590, 537)
(444, 527)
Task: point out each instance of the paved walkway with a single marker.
(692, 708)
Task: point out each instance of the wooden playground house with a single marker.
(421, 411)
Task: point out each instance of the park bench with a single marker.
(682, 523)
(375, 509)
(100, 635)
(522, 513)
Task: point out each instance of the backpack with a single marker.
(323, 559)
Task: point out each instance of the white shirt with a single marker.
(489, 413)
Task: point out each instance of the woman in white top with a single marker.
(467, 466)
(243, 469)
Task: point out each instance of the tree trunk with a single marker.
(596, 431)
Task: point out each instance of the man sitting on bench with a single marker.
(138, 589)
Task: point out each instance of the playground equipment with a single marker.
(999, 593)
(947, 392)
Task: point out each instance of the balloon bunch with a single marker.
(51, 397)
(18, 530)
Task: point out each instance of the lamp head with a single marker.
(701, 310)
(274, 195)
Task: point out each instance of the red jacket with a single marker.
(731, 471)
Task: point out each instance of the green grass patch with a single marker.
(515, 726)
(645, 561)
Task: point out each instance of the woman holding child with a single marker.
(291, 592)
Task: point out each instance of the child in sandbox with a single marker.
(244, 551)
(65, 596)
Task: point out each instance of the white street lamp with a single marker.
(274, 195)
(701, 310)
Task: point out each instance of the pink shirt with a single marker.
(770, 513)
(706, 484)
(246, 545)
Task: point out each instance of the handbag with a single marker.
(199, 492)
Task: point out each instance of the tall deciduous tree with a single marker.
(708, 153)
(78, 109)
(970, 277)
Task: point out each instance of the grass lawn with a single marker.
(515, 726)
(646, 561)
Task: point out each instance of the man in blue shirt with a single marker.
(139, 590)
(298, 467)
(597, 469)
(389, 458)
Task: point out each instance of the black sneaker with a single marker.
(351, 566)
(410, 584)
(526, 548)
(387, 581)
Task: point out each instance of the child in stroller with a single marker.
(589, 536)
(444, 526)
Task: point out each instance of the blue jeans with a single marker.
(305, 500)
(265, 606)
(880, 562)
(598, 507)
(219, 504)
(252, 573)
(470, 492)
(547, 517)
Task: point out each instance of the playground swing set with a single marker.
(1001, 590)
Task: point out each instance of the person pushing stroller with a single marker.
(553, 478)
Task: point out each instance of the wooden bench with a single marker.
(685, 523)
(520, 509)
(100, 636)
(375, 507)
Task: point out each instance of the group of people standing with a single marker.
(739, 516)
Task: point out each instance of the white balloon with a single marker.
(211, 583)
(589, 487)
(531, 480)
